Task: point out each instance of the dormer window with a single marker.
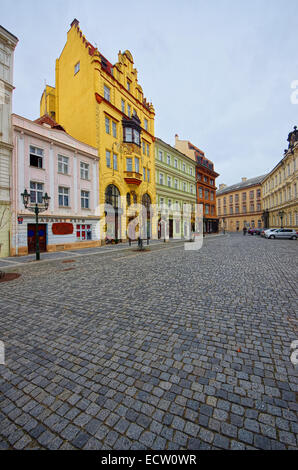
(132, 130)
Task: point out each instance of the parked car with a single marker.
(267, 230)
(282, 233)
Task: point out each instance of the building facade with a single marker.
(8, 43)
(47, 160)
(175, 188)
(103, 105)
(279, 188)
(205, 186)
(240, 205)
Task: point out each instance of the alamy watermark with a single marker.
(294, 94)
(2, 353)
(294, 355)
(153, 222)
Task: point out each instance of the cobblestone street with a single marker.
(165, 349)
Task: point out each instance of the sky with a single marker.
(218, 72)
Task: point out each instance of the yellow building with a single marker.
(103, 105)
(240, 205)
(280, 198)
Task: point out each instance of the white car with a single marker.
(282, 233)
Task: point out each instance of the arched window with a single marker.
(112, 196)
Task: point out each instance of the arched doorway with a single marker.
(112, 199)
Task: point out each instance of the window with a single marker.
(36, 156)
(161, 201)
(190, 171)
(205, 179)
(169, 181)
(183, 166)
(145, 124)
(148, 150)
(137, 165)
(212, 182)
(84, 232)
(206, 193)
(77, 67)
(243, 196)
(251, 194)
(123, 106)
(144, 174)
(176, 184)
(114, 126)
(212, 195)
(160, 178)
(129, 110)
(115, 161)
(84, 170)
(63, 195)
(207, 209)
(231, 209)
(168, 159)
(169, 203)
(191, 188)
(63, 164)
(36, 192)
(108, 158)
(144, 150)
(176, 163)
(258, 206)
(148, 175)
(128, 85)
(184, 186)
(231, 199)
(85, 199)
(236, 197)
(107, 121)
(160, 155)
(129, 164)
(200, 192)
(131, 135)
(128, 134)
(106, 93)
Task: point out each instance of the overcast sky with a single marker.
(218, 72)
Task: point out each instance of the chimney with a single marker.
(74, 23)
(243, 179)
(221, 186)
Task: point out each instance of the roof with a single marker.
(12, 36)
(46, 119)
(241, 185)
(173, 149)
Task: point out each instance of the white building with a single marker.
(8, 43)
(48, 160)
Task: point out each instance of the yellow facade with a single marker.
(280, 197)
(240, 205)
(95, 101)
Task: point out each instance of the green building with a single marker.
(175, 187)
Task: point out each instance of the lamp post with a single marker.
(36, 208)
(281, 215)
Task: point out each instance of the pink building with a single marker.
(48, 160)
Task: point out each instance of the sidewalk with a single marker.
(14, 261)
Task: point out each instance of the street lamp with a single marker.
(281, 215)
(37, 208)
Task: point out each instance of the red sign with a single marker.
(62, 228)
(20, 220)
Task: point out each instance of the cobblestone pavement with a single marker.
(165, 349)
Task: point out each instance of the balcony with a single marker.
(133, 178)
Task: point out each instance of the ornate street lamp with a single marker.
(281, 215)
(36, 208)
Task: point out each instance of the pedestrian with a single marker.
(244, 230)
(237, 229)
